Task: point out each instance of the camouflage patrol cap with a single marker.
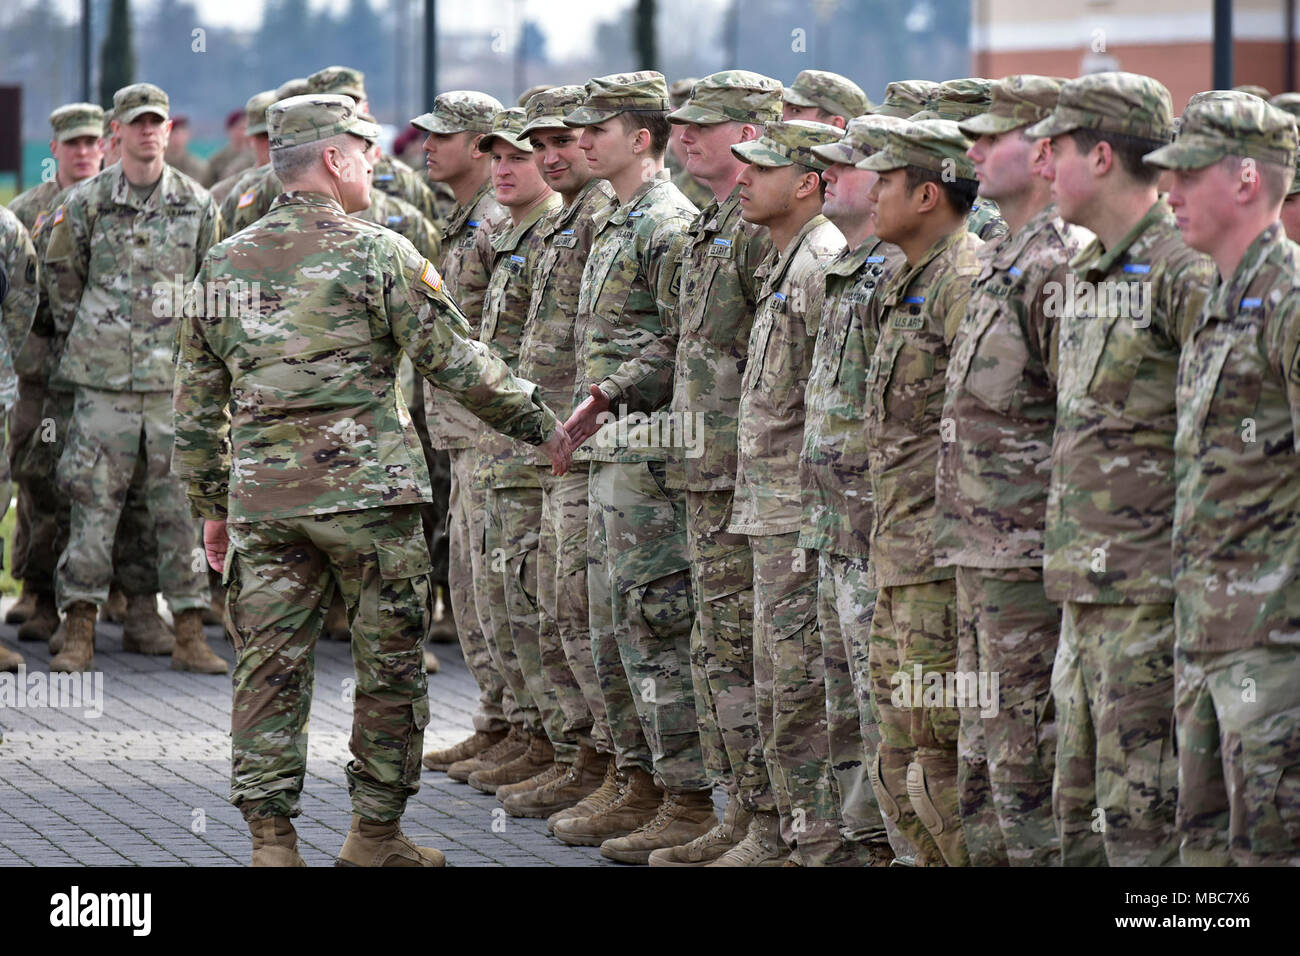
(508, 126)
(1126, 103)
(957, 100)
(731, 96)
(108, 124)
(837, 95)
(1016, 101)
(313, 117)
(77, 119)
(1290, 102)
(863, 136)
(785, 143)
(679, 91)
(459, 110)
(1252, 89)
(138, 99)
(529, 93)
(295, 87)
(547, 109)
(1238, 124)
(339, 79)
(607, 96)
(255, 111)
(936, 145)
(903, 98)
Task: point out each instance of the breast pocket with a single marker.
(904, 378)
(1110, 359)
(616, 273)
(1227, 393)
(697, 289)
(995, 358)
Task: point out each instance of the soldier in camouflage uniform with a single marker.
(834, 490)
(693, 189)
(913, 639)
(638, 573)
(904, 98)
(255, 128)
(780, 188)
(1110, 507)
(547, 357)
(823, 97)
(1237, 519)
(119, 249)
(703, 357)
(505, 472)
(329, 494)
(1000, 409)
(1290, 216)
(455, 125)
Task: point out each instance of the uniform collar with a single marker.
(621, 214)
(462, 213)
(1095, 261)
(1226, 299)
(304, 197)
(509, 239)
(849, 261)
(164, 192)
(773, 269)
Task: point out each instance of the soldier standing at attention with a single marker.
(1110, 508)
(116, 249)
(820, 96)
(1237, 518)
(330, 476)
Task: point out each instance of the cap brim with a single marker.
(840, 152)
(1183, 156)
(96, 130)
(881, 162)
(989, 124)
(543, 122)
(130, 115)
(436, 124)
(255, 129)
(367, 131)
(518, 142)
(795, 98)
(758, 155)
(1054, 125)
(700, 116)
(898, 111)
(588, 116)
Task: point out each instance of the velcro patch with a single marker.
(58, 216)
(429, 276)
(40, 221)
(907, 322)
(565, 241)
(246, 199)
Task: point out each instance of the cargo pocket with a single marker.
(1270, 758)
(414, 746)
(80, 470)
(234, 588)
(401, 559)
(1145, 724)
(797, 667)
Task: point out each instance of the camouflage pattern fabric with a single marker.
(985, 220)
(22, 265)
(282, 573)
(250, 198)
(404, 219)
(696, 192)
(394, 178)
(1115, 786)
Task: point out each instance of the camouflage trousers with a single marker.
(1115, 788)
(111, 433)
(641, 614)
(433, 514)
(281, 576)
(845, 608)
(913, 649)
(722, 650)
(1237, 715)
(517, 512)
(1008, 630)
(465, 520)
(790, 697)
(564, 622)
(44, 513)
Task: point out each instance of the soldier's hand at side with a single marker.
(559, 449)
(585, 420)
(216, 542)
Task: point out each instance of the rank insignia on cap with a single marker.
(246, 199)
(429, 276)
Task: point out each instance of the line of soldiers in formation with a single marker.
(930, 485)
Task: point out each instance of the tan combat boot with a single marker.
(636, 805)
(431, 663)
(681, 818)
(78, 651)
(275, 842)
(336, 620)
(22, 608)
(114, 609)
(10, 661)
(59, 636)
(515, 743)
(574, 782)
(538, 755)
(709, 846)
(42, 622)
(595, 800)
(471, 746)
(383, 844)
(192, 652)
(143, 631)
(553, 772)
(762, 845)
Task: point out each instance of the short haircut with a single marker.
(961, 193)
(290, 162)
(656, 121)
(1129, 149)
(1275, 178)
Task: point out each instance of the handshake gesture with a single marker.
(582, 424)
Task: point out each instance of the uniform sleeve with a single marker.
(1043, 331)
(200, 394)
(67, 263)
(1286, 353)
(753, 249)
(210, 232)
(24, 288)
(430, 329)
(1189, 290)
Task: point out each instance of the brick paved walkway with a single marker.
(147, 781)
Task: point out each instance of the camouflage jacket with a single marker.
(396, 214)
(628, 302)
(19, 309)
(250, 199)
(915, 316)
(1110, 507)
(117, 270)
(705, 353)
(696, 192)
(834, 485)
(35, 359)
(547, 355)
(466, 264)
(503, 463)
(985, 220)
(999, 408)
(395, 178)
(769, 435)
(302, 347)
(1237, 517)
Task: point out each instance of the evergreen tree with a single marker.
(116, 58)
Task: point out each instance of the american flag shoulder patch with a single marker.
(246, 199)
(429, 276)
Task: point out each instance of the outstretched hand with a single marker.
(585, 420)
(559, 449)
